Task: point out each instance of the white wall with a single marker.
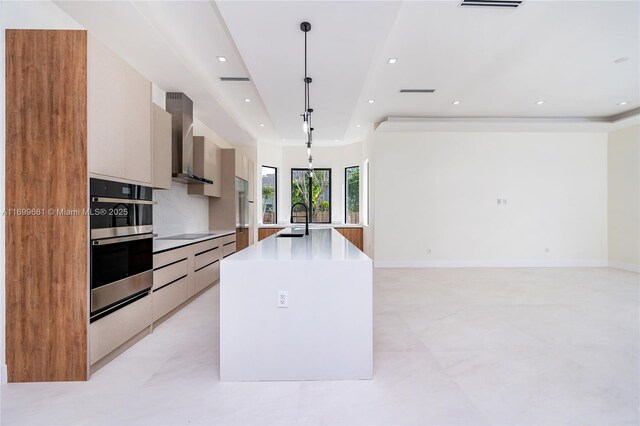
(334, 157)
(624, 198)
(14, 15)
(438, 191)
(367, 194)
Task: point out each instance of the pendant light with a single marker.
(306, 116)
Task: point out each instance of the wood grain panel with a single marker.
(242, 238)
(355, 235)
(46, 168)
(267, 232)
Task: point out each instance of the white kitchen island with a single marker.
(324, 332)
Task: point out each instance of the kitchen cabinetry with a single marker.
(45, 164)
(179, 275)
(119, 117)
(161, 136)
(242, 166)
(182, 273)
(114, 330)
(207, 162)
(267, 232)
(354, 235)
(224, 212)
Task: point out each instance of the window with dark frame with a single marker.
(321, 209)
(352, 194)
(269, 195)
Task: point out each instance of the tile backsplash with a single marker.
(179, 213)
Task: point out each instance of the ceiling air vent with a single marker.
(417, 90)
(491, 3)
(234, 78)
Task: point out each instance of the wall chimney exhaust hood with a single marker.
(181, 109)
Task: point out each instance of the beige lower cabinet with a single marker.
(170, 273)
(207, 276)
(167, 298)
(178, 276)
(114, 330)
(208, 257)
(182, 273)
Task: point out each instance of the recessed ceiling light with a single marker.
(623, 103)
(620, 60)
(222, 59)
(539, 102)
(247, 100)
(371, 101)
(283, 140)
(336, 140)
(261, 125)
(392, 60)
(357, 125)
(456, 102)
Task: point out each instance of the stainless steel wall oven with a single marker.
(121, 223)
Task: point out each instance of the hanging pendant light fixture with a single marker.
(306, 118)
(306, 115)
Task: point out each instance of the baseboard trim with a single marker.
(3, 374)
(624, 266)
(491, 264)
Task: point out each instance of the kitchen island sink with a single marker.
(289, 235)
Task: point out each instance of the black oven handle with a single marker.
(120, 200)
(121, 239)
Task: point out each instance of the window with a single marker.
(352, 194)
(321, 210)
(269, 195)
(366, 199)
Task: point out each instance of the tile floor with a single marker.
(452, 346)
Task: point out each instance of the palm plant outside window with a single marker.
(352, 194)
(321, 192)
(269, 195)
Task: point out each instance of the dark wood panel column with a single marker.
(46, 168)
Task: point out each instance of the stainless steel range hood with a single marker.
(181, 109)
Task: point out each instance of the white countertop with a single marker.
(314, 225)
(163, 244)
(321, 244)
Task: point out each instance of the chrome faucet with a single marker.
(306, 216)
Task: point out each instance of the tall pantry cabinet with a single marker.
(74, 109)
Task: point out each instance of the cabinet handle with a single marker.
(121, 239)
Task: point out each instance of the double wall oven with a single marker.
(121, 224)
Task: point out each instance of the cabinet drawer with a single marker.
(171, 272)
(170, 256)
(169, 297)
(203, 259)
(228, 249)
(206, 276)
(108, 333)
(207, 245)
(229, 239)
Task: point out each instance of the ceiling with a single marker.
(496, 62)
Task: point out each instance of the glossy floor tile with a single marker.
(451, 346)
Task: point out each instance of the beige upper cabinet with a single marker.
(161, 135)
(207, 162)
(118, 117)
(242, 166)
